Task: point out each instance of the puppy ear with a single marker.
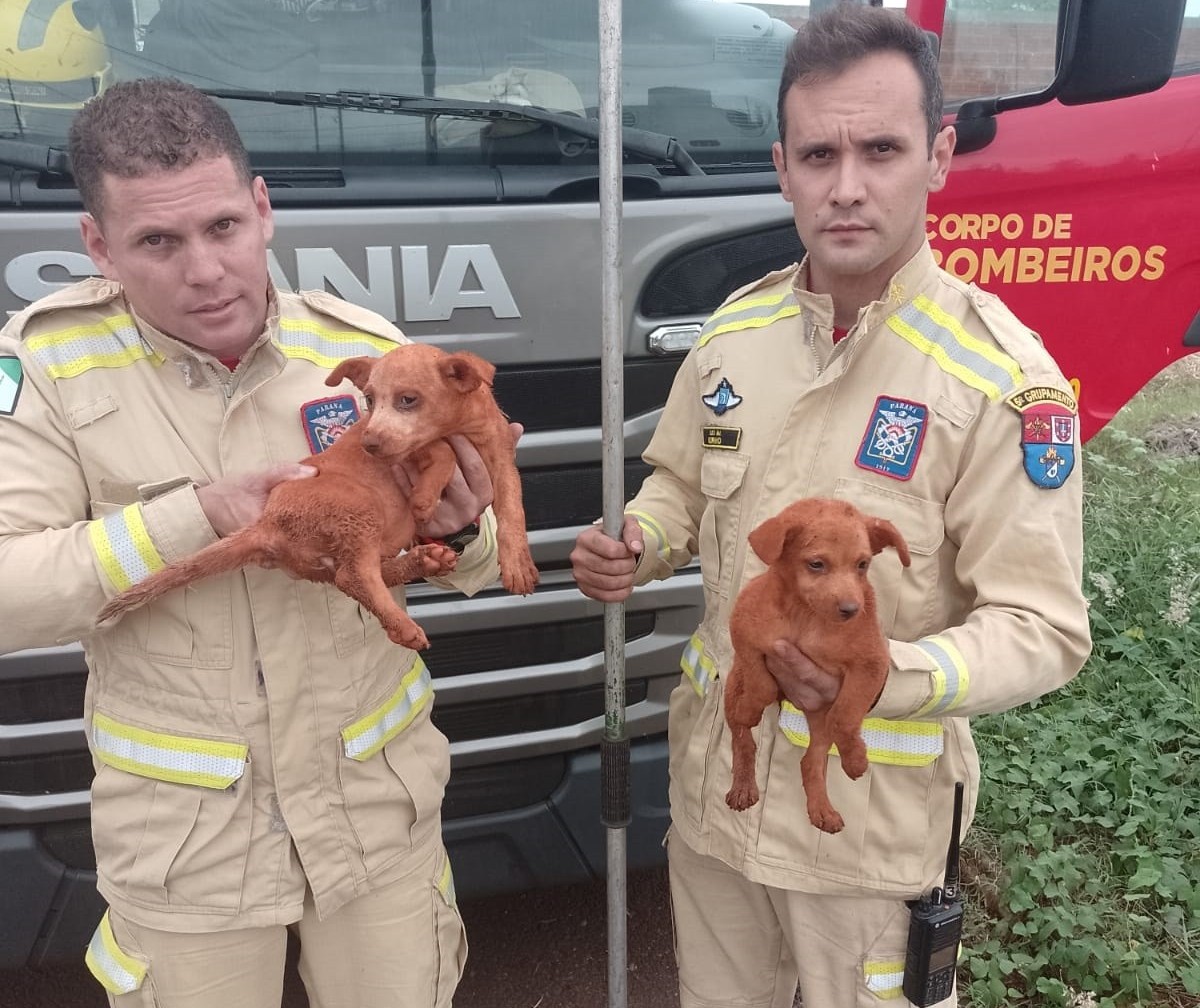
(357, 369)
(770, 537)
(467, 371)
(884, 533)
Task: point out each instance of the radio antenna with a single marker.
(950, 888)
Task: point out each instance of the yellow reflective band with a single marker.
(972, 343)
(112, 343)
(123, 547)
(650, 526)
(951, 677)
(757, 321)
(697, 665)
(884, 979)
(897, 743)
(308, 340)
(954, 350)
(369, 734)
(118, 972)
(445, 884)
(178, 759)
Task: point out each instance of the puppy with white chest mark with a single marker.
(814, 593)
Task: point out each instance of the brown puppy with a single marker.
(814, 593)
(427, 395)
(352, 512)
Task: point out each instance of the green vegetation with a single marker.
(1083, 868)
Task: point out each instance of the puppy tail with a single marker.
(249, 546)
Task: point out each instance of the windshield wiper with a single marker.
(635, 141)
(36, 157)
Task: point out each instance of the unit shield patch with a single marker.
(1048, 422)
(892, 441)
(326, 420)
(11, 378)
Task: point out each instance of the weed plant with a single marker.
(1083, 868)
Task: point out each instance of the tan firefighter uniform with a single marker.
(932, 413)
(254, 736)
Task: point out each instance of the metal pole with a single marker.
(614, 750)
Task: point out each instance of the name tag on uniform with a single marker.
(729, 438)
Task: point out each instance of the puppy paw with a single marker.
(412, 637)
(742, 797)
(422, 507)
(520, 579)
(854, 764)
(435, 559)
(826, 819)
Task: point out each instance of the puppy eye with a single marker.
(816, 565)
(370, 401)
(405, 402)
(863, 564)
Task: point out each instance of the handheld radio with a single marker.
(934, 930)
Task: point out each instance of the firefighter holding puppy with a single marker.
(869, 374)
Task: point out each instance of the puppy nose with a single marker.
(847, 609)
(370, 443)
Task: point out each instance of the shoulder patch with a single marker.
(1049, 425)
(11, 379)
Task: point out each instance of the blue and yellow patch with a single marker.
(326, 420)
(892, 442)
(1048, 424)
(12, 377)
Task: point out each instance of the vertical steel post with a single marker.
(614, 751)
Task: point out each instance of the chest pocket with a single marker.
(721, 476)
(904, 598)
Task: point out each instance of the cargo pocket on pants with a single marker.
(451, 937)
(118, 972)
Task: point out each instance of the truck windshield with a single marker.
(701, 71)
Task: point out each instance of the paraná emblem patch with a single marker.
(12, 377)
(326, 420)
(1049, 420)
(892, 442)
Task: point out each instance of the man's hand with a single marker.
(603, 566)
(233, 502)
(808, 687)
(468, 494)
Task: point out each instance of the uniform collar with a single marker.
(907, 282)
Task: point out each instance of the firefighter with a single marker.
(264, 754)
(866, 373)
(53, 58)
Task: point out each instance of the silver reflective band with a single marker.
(117, 972)
(900, 743)
(369, 734)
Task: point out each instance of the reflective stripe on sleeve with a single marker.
(899, 743)
(884, 979)
(117, 971)
(160, 756)
(111, 343)
(697, 665)
(937, 334)
(369, 734)
(749, 313)
(951, 677)
(650, 527)
(309, 340)
(445, 883)
(123, 547)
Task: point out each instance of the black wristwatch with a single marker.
(463, 538)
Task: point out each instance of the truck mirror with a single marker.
(1118, 49)
(1106, 49)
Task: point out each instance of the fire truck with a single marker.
(438, 163)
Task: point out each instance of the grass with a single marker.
(1082, 871)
